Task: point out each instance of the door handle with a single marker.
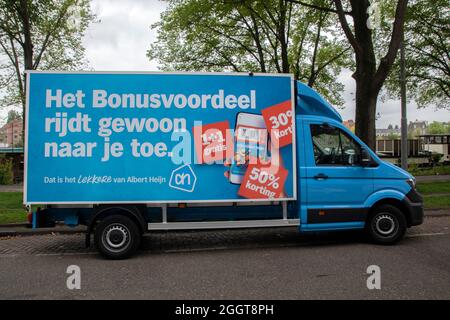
(320, 176)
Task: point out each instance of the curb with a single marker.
(438, 213)
(43, 231)
(12, 225)
(433, 178)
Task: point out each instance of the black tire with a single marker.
(117, 237)
(386, 225)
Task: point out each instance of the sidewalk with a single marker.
(12, 188)
(21, 229)
(444, 177)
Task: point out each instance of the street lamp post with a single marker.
(404, 122)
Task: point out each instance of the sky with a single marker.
(120, 40)
(389, 110)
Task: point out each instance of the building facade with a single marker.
(390, 131)
(11, 134)
(350, 124)
(418, 127)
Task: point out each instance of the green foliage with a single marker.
(427, 45)
(436, 202)
(6, 173)
(393, 136)
(436, 194)
(439, 127)
(13, 115)
(414, 134)
(433, 187)
(437, 170)
(39, 34)
(258, 36)
(11, 210)
(434, 158)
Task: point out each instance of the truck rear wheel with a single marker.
(117, 237)
(386, 225)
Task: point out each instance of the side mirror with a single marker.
(366, 159)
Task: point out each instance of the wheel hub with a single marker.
(116, 237)
(385, 224)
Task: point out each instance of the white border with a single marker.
(25, 158)
(247, 74)
(168, 73)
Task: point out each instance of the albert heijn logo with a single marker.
(183, 178)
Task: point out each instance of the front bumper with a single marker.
(414, 202)
(416, 214)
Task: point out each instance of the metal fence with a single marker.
(392, 147)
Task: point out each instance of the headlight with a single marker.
(411, 182)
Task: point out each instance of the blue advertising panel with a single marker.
(104, 137)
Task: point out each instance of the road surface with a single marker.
(233, 264)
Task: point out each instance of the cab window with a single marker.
(332, 146)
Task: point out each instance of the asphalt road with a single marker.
(233, 264)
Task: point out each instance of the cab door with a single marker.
(337, 183)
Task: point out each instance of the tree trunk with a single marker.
(366, 96)
(312, 75)
(257, 39)
(28, 44)
(369, 79)
(27, 51)
(282, 37)
(365, 113)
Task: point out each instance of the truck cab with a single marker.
(345, 185)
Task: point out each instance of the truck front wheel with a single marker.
(386, 225)
(117, 237)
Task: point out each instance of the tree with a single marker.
(258, 36)
(13, 115)
(427, 45)
(393, 136)
(39, 34)
(439, 128)
(373, 62)
(414, 134)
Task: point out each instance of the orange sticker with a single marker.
(263, 182)
(278, 119)
(213, 142)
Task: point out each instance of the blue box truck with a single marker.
(126, 153)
